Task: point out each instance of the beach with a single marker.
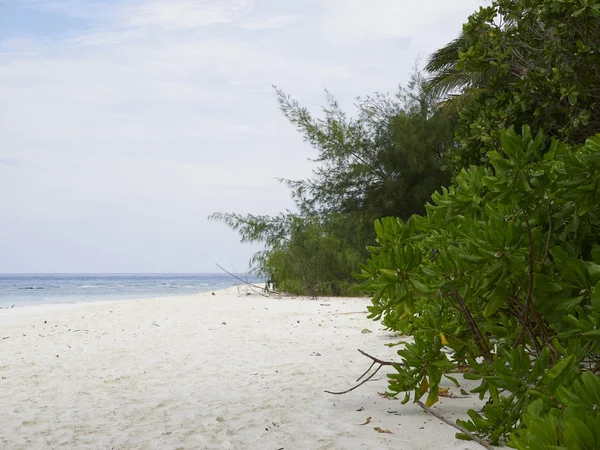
(233, 370)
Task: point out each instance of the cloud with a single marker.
(89, 10)
(150, 114)
(358, 21)
(182, 14)
(266, 22)
(9, 161)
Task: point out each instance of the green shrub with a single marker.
(504, 271)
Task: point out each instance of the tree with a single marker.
(387, 161)
(449, 82)
(519, 62)
(503, 269)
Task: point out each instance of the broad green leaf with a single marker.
(495, 302)
(379, 229)
(560, 367)
(594, 334)
(578, 436)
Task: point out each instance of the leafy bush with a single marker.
(304, 255)
(501, 278)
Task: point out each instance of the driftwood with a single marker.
(425, 408)
(480, 441)
(261, 292)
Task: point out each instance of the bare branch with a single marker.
(244, 281)
(375, 361)
(366, 371)
(455, 425)
(358, 385)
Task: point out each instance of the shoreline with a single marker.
(225, 371)
(62, 304)
(6, 314)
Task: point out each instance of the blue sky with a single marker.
(125, 123)
(27, 19)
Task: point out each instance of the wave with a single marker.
(58, 289)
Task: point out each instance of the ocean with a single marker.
(39, 289)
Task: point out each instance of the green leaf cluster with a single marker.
(573, 426)
(521, 62)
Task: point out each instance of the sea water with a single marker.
(37, 289)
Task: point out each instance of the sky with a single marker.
(125, 123)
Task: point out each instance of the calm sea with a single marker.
(37, 289)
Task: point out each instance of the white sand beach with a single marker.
(223, 371)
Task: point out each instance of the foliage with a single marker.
(317, 260)
(303, 255)
(575, 425)
(534, 62)
(386, 161)
(501, 275)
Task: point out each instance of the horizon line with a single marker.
(120, 273)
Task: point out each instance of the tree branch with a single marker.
(477, 335)
(378, 361)
(244, 281)
(375, 361)
(366, 371)
(455, 425)
(519, 316)
(549, 234)
(530, 287)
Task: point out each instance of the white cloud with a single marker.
(265, 23)
(132, 129)
(182, 14)
(360, 21)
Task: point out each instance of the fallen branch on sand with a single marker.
(455, 425)
(421, 404)
(261, 292)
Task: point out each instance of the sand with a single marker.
(224, 371)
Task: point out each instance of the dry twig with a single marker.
(375, 361)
